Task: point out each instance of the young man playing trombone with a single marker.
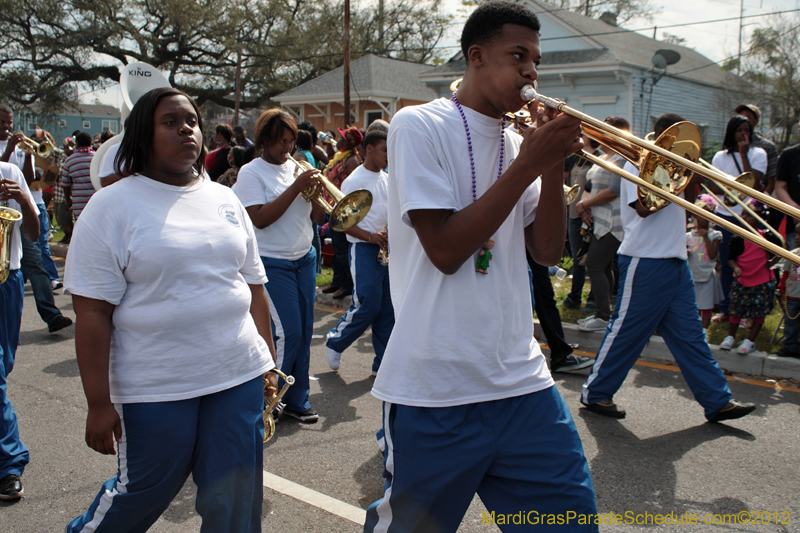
(469, 404)
(652, 261)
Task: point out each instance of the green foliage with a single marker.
(48, 45)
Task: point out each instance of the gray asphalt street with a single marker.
(662, 459)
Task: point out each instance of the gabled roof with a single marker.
(92, 110)
(611, 44)
(369, 76)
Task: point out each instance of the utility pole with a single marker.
(238, 86)
(741, 22)
(346, 66)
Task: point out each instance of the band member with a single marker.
(652, 261)
(462, 354)
(372, 303)
(13, 454)
(271, 192)
(173, 333)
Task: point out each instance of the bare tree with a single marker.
(624, 10)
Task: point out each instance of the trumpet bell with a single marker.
(571, 193)
(271, 402)
(8, 217)
(350, 210)
(682, 139)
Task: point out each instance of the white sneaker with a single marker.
(595, 324)
(334, 358)
(56, 284)
(727, 343)
(746, 347)
(585, 320)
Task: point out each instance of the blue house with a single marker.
(91, 118)
(603, 70)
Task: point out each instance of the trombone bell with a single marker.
(8, 217)
(571, 193)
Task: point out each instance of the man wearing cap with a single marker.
(753, 114)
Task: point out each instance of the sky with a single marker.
(717, 41)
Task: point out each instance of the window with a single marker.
(87, 124)
(372, 116)
(110, 125)
(31, 125)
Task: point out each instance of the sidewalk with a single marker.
(757, 363)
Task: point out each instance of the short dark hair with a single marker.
(5, 109)
(619, 123)
(304, 141)
(249, 154)
(729, 143)
(309, 127)
(238, 156)
(270, 126)
(83, 139)
(238, 128)
(666, 120)
(137, 143)
(224, 130)
(373, 138)
(106, 135)
(487, 21)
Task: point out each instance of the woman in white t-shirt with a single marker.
(173, 333)
(271, 193)
(735, 158)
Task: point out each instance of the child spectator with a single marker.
(753, 289)
(703, 246)
(790, 298)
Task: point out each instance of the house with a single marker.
(379, 87)
(603, 70)
(91, 118)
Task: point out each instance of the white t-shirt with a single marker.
(107, 165)
(18, 158)
(290, 236)
(661, 235)
(466, 337)
(725, 162)
(176, 262)
(377, 184)
(11, 172)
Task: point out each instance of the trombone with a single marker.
(666, 166)
(663, 172)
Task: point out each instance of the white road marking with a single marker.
(317, 499)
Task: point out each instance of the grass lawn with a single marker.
(325, 277)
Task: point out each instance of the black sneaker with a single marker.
(59, 323)
(574, 362)
(605, 408)
(784, 352)
(732, 411)
(309, 416)
(11, 487)
(569, 303)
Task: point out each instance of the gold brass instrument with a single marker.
(8, 217)
(271, 402)
(347, 211)
(571, 193)
(735, 197)
(44, 149)
(383, 253)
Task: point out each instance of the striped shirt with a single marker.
(606, 217)
(75, 176)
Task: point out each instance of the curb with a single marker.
(756, 363)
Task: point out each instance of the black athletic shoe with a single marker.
(59, 323)
(784, 352)
(11, 487)
(574, 362)
(732, 411)
(309, 416)
(605, 408)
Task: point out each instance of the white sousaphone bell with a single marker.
(135, 80)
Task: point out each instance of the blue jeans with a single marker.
(33, 269)
(790, 327)
(291, 290)
(44, 236)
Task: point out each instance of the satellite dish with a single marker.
(663, 58)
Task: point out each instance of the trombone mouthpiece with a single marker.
(528, 93)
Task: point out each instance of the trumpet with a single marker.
(347, 211)
(571, 193)
(271, 402)
(44, 149)
(666, 166)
